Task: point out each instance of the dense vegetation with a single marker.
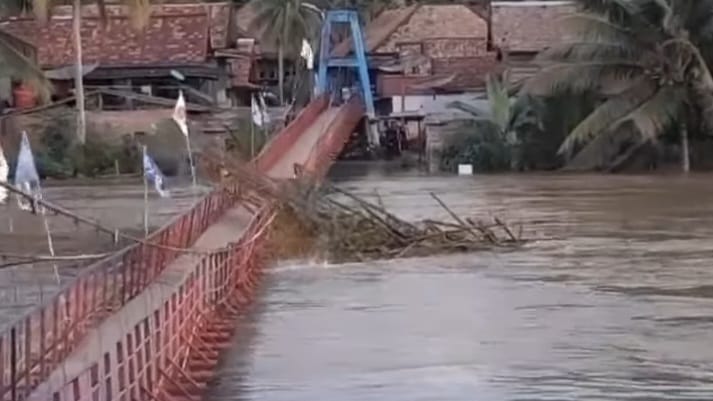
(631, 75)
(640, 69)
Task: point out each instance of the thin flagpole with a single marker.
(146, 193)
(190, 161)
(252, 138)
(50, 245)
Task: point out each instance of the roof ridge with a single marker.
(404, 19)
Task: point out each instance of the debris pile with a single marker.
(342, 227)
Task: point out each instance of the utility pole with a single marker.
(78, 78)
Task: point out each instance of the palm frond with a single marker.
(642, 16)
(139, 12)
(652, 117)
(590, 51)
(41, 8)
(284, 21)
(499, 102)
(580, 77)
(594, 28)
(606, 115)
(473, 111)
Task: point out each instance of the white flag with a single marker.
(26, 177)
(4, 171)
(263, 109)
(256, 112)
(179, 114)
(307, 54)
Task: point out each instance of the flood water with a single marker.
(612, 301)
(114, 204)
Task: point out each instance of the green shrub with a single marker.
(483, 148)
(60, 156)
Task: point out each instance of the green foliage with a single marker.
(479, 145)
(492, 139)
(647, 62)
(60, 156)
(285, 23)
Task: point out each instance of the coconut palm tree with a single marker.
(285, 23)
(648, 61)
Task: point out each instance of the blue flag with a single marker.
(26, 177)
(153, 173)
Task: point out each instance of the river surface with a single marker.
(612, 301)
(115, 204)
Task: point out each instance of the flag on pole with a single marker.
(26, 177)
(257, 114)
(179, 114)
(4, 171)
(263, 109)
(307, 54)
(153, 173)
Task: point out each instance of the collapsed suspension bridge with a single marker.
(148, 322)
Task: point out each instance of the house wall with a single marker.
(437, 105)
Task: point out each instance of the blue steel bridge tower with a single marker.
(335, 71)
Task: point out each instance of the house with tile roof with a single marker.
(187, 45)
(425, 56)
(522, 29)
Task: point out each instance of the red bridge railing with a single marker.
(165, 355)
(33, 346)
(289, 135)
(328, 147)
(150, 360)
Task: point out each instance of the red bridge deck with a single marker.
(148, 322)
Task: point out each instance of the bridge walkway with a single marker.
(78, 370)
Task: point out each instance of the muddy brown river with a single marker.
(613, 300)
(116, 204)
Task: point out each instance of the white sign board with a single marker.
(465, 169)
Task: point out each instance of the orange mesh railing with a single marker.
(151, 361)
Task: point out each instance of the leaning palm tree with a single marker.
(647, 60)
(139, 10)
(285, 23)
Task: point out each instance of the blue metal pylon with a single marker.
(328, 64)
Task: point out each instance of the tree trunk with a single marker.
(78, 80)
(281, 72)
(685, 157)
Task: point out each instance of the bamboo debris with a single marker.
(355, 229)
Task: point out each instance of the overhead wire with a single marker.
(116, 233)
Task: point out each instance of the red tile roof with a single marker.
(379, 30)
(449, 75)
(175, 35)
(430, 22)
(529, 26)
